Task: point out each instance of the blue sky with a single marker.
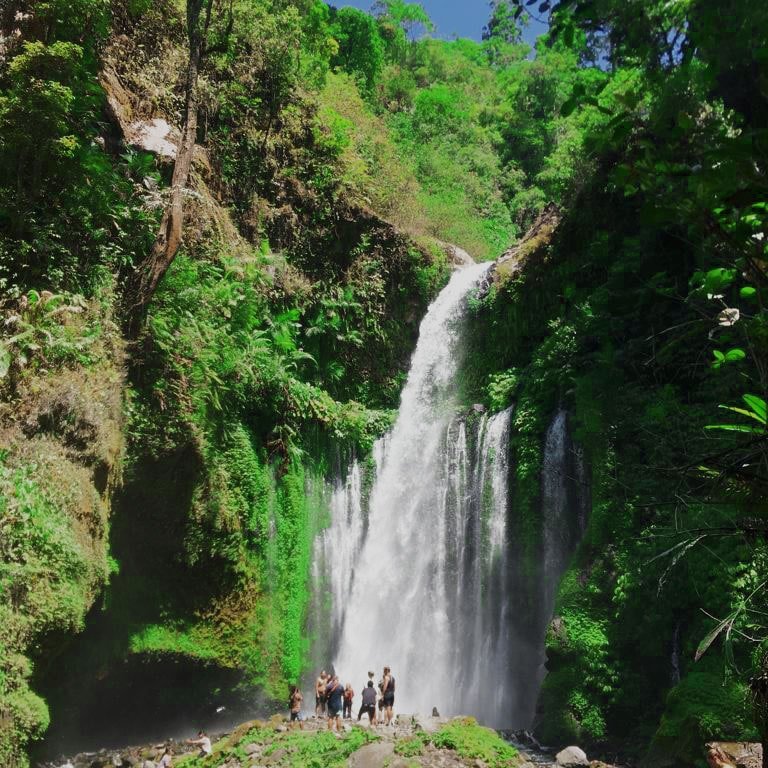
(464, 18)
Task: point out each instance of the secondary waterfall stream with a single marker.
(419, 569)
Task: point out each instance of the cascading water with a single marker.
(416, 570)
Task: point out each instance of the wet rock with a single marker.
(571, 757)
(457, 256)
(435, 713)
(523, 738)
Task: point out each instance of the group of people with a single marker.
(334, 700)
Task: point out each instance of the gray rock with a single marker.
(457, 256)
(372, 755)
(429, 724)
(250, 749)
(571, 757)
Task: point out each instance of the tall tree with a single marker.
(410, 17)
(148, 274)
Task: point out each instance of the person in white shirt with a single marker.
(203, 742)
(166, 759)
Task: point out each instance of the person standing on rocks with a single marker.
(295, 706)
(334, 694)
(165, 759)
(321, 685)
(388, 694)
(369, 703)
(349, 694)
(362, 706)
(204, 742)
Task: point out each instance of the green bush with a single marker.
(471, 741)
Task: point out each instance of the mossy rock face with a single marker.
(532, 245)
(62, 436)
(699, 709)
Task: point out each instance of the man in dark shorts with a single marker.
(388, 694)
(334, 695)
(295, 706)
(369, 703)
(362, 706)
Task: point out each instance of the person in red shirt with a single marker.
(349, 694)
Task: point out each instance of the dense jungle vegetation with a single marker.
(187, 345)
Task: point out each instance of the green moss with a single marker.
(50, 573)
(702, 707)
(292, 749)
(472, 741)
(412, 746)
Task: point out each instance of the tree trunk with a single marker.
(144, 282)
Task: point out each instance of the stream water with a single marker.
(421, 566)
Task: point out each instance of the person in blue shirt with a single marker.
(334, 694)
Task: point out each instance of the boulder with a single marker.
(571, 757)
(375, 755)
(428, 724)
(276, 757)
(156, 136)
(250, 749)
(738, 754)
(457, 256)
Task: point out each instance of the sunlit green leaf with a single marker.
(758, 406)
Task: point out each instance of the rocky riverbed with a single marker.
(412, 742)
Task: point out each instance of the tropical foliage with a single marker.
(337, 151)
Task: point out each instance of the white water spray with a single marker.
(398, 610)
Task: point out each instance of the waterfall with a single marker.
(555, 508)
(414, 569)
